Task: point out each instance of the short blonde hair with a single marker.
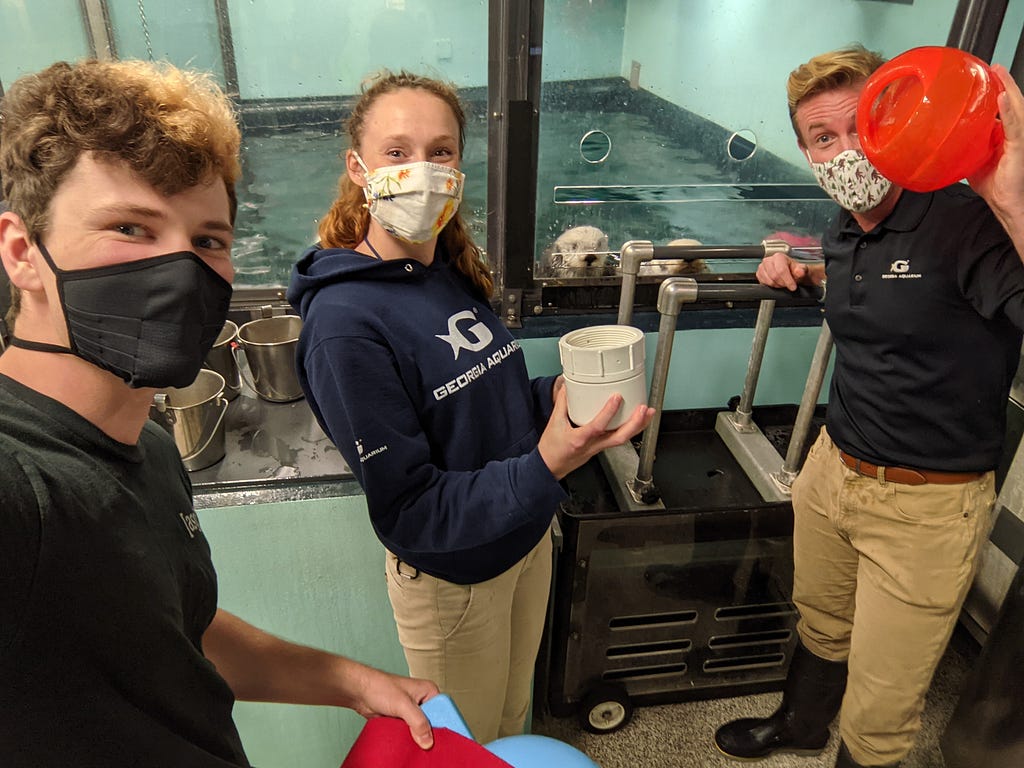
(826, 72)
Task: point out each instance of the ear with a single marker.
(354, 169)
(803, 150)
(15, 249)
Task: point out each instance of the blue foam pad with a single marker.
(442, 713)
(533, 751)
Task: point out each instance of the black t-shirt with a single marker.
(926, 310)
(106, 588)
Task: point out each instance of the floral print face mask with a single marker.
(851, 180)
(413, 201)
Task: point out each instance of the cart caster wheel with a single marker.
(605, 709)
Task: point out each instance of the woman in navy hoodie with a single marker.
(426, 395)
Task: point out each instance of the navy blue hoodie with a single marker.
(426, 395)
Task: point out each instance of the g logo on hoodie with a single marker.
(456, 337)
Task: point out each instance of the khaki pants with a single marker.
(881, 570)
(477, 642)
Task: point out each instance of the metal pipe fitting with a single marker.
(633, 252)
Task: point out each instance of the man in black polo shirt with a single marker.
(926, 302)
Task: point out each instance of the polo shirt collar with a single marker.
(905, 217)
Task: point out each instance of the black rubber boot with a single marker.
(810, 700)
(843, 760)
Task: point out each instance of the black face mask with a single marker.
(150, 322)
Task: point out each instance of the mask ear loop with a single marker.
(367, 194)
(39, 346)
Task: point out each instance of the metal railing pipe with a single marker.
(673, 293)
(632, 254)
(809, 401)
(744, 411)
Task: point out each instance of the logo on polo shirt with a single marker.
(900, 269)
(191, 521)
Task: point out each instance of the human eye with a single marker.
(395, 154)
(210, 243)
(129, 230)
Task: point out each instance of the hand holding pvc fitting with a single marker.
(565, 447)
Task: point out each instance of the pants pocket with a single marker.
(454, 602)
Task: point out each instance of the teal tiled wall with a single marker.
(311, 572)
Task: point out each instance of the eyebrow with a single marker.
(151, 213)
(218, 225)
(404, 138)
(813, 126)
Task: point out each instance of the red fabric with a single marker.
(795, 240)
(385, 742)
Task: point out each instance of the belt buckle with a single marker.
(410, 576)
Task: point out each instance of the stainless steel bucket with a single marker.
(194, 416)
(221, 360)
(270, 345)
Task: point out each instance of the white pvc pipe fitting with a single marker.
(599, 361)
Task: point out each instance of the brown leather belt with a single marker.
(906, 475)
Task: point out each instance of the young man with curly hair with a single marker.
(120, 181)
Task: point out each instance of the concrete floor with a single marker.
(680, 735)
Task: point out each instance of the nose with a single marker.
(849, 141)
(177, 242)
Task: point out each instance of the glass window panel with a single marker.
(672, 84)
(38, 33)
(183, 33)
(299, 65)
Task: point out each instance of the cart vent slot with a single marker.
(757, 611)
(648, 649)
(636, 673)
(750, 638)
(737, 663)
(653, 620)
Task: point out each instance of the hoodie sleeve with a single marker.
(463, 526)
(543, 402)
